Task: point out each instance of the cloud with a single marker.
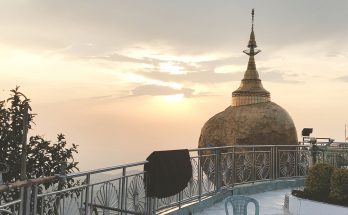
(201, 77)
(342, 78)
(155, 90)
(101, 97)
(177, 59)
(335, 54)
(114, 57)
(201, 72)
(192, 27)
(152, 90)
(277, 77)
(204, 75)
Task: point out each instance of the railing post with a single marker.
(180, 198)
(273, 162)
(25, 191)
(199, 175)
(276, 162)
(150, 206)
(233, 166)
(34, 193)
(297, 156)
(25, 200)
(88, 182)
(149, 201)
(24, 143)
(61, 183)
(253, 167)
(123, 190)
(217, 169)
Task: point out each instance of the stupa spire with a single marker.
(251, 72)
(250, 90)
(252, 42)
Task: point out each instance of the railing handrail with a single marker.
(105, 169)
(41, 180)
(11, 203)
(26, 183)
(206, 181)
(246, 146)
(115, 167)
(46, 179)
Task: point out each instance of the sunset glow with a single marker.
(124, 78)
(174, 98)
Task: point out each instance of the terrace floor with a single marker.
(271, 203)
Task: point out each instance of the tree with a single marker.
(43, 157)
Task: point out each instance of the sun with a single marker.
(171, 68)
(174, 98)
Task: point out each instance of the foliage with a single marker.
(339, 186)
(326, 183)
(317, 183)
(43, 158)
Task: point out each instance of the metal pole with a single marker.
(233, 167)
(123, 190)
(61, 184)
(35, 202)
(276, 161)
(149, 204)
(253, 167)
(217, 170)
(25, 203)
(273, 162)
(24, 145)
(345, 133)
(199, 175)
(297, 154)
(88, 182)
(25, 196)
(180, 199)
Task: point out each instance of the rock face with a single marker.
(257, 124)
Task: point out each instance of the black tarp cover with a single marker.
(167, 172)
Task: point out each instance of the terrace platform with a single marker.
(271, 203)
(269, 194)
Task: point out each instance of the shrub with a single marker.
(317, 183)
(43, 157)
(339, 186)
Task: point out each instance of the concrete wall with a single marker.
(298, 206)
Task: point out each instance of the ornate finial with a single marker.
(252, 42)
(252, 18)
(251, 90)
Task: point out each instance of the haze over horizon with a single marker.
(124, 78)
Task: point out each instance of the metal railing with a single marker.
(121, 189)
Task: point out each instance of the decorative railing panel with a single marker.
(123, 190)
(263, 166)
(11, 208)
(136, 197)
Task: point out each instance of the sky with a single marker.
(124, 78)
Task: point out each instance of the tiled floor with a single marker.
(271, 203)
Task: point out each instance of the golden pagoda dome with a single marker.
(251, 119)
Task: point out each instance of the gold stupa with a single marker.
(251, 119)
